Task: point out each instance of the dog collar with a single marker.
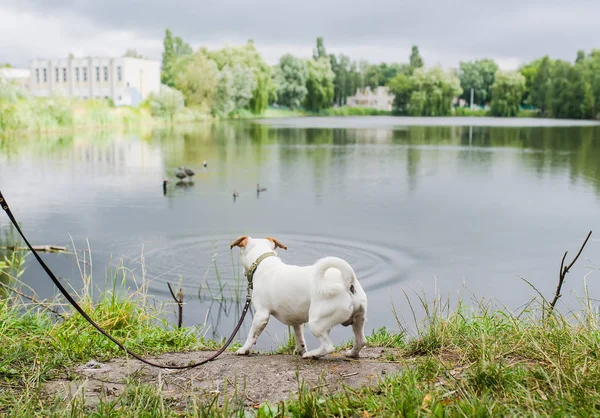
(254, 266)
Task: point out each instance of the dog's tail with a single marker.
(330, 285)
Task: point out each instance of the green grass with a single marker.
(481, 361)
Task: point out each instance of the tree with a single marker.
(372, 76)
(319, 52)
(197, 79)
(132, 53)
(247, 56)
(6, 65)
(569, 94)
(580, 56)
(401, 87)
(168, 56)
(540, 84)
(166, 103)
(291, 79)
(319, 84)
(387, 72)
(477, 75)
(416, 61)
(507, 90)
(594, 80)
(433, 92)
(174, 49)
(235, 88)
(345, 82)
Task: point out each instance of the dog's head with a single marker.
(252, 248)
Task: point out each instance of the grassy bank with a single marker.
(66, 115)
(482, 361)
(43, 115)
(465, 111)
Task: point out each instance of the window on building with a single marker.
(37, 75)
(45, 74)
(119, 75)
(84, 73)
(64, 75)
(97, 73)
(105, 73)
(77, 74)
(56, 74)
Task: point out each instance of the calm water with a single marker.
(466, 210)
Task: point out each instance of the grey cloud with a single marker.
(470, 28)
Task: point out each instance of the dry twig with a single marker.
(179, 300)
(564, 270)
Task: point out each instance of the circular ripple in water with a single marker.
(206, 263)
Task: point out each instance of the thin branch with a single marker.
(564, 270)
(179, 300)
(33, 300)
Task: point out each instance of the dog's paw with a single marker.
(242, 352)
(309, 355)
(351, 354)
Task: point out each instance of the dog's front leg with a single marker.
(261, 318)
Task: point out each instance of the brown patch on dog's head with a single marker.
(277, 243)
(240, 242)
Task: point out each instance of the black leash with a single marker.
(4, 205)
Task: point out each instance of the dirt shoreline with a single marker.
(257, 377)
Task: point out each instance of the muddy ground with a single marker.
(257, 377)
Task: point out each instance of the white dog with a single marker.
(324, 295)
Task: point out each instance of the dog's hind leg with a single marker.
(322, 333)
(359, 335)
(300, 343)
(261, 318)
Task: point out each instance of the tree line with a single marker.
(235, 79)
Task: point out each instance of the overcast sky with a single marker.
(446, 31)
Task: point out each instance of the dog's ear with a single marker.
(277, 243)
(240, 242)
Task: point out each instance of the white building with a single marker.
(125, 80)
(379, 99)
(18, 76)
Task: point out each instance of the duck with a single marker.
(180, 175)
(259, 189)
(235, 194)
(204, 164)
(187, 171)
(165, 181)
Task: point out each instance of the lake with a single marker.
(444, 207)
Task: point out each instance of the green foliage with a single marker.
(416, 61)
(132, 53)
(235, 89)
(174, 49)
(291, 76)
(401, 87)
(248, 57)
(477, 75)
(569, 94)
(540, 83)
(319, 52)
(319, 85)
(166, 103)
(345, 78)
(433, 92)
(197, 78)
(507, 92)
